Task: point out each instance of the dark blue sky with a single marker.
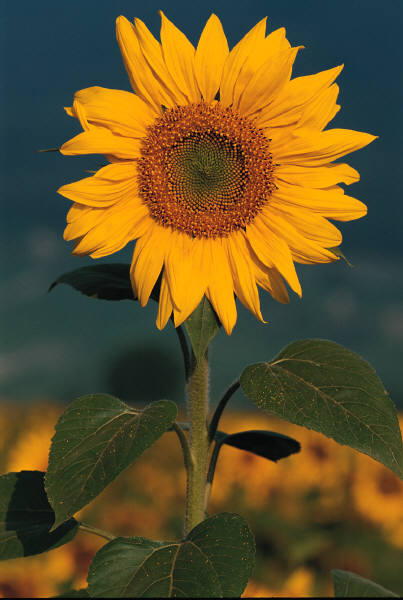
(51, 49)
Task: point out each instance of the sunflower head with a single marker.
(220, 167)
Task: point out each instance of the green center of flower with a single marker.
(205, 170)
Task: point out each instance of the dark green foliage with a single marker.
(350, 585)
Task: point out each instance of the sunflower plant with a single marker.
(220, 166)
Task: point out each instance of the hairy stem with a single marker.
(197, 393)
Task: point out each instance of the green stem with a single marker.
(197, 393)
(185, 350)
(211, 471)
(96, 531)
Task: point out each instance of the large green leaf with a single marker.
(268, 444)
(321, 385)
(202, 325)
(26, 517)
(350, 585)
(109, 281)
(96, 438)
(214, 561)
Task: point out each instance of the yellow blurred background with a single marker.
(326, 507)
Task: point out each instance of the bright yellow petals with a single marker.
(287, 106)
(99, 140)
(272, 250)
(122, 112)
(165, 304)
(266, 82)
(109, 185)
(220, 290)
(318, 113)
(311, 148)
(236, 59)
(221, 169)
(148, 260)
(242, 273)
(179, 55)
(332, 203)
(211, 53)
(316, 177)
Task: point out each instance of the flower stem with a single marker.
(197, 393)
(96, 531)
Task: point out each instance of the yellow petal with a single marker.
(99, 140)
(118, 226)
(165, 305)
(331, 203)
(286, 107)
(179, 56)
(220, 290)
(272, 250)
(311, 148)
(211, 54)
(266, 83)
(122, 112)
(148, 260)
(316, 177)
(321, 110)
(243, 277)
(266, 48)
(187, 273)
(308, 223)
(140, 74)
(270, 280)
(236, 60)
(109, 185)
(152, 52)
(303, 250)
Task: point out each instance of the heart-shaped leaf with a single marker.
(202, 325)
(26, 517)
(350, 585)
(96, 438)
(268, 444)
(321, 385)
(214, 561)
(110, 281)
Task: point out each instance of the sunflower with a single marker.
(219, 167)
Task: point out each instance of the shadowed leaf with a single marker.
(214, 561)
(268, 444)
(350, 585)
(322, 386)
(26, 517)
(96, 438)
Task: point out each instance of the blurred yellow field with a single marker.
(327, 507)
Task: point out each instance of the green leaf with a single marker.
(96, 438)
(110, 281)
(214, 561)
(26, 517)
(322, 386)
(268, 444)
(350, 585)
(202, 325)
(337, 251)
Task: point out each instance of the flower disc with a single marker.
(205, 170)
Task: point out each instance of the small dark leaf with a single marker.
(267, 444)
(214, 561)
(202, 325)
(96, 438)
(350, 585)
(26, 517)
(110, 281)
(322, 386)
(74, 594)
